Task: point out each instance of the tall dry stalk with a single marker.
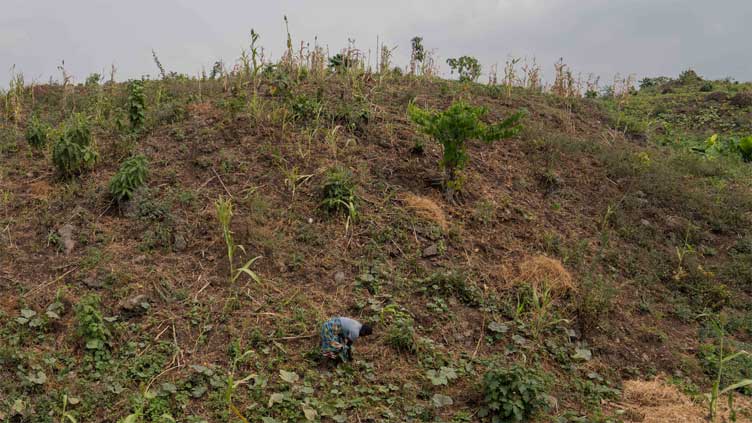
(532, 75)
(67, 84)
(510, 74)
(493, 72)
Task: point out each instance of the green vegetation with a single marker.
(585, 245)
(224, 210)
(338, 193)
(467, 67)
(136, 105)
(453, 127)
(515, 394)
(721, 362)
(74, 150)
(131, 176)
(36, 133)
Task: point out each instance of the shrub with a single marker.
(74, 150)
(339, 192)
(131, 176)
(36, 133)
(453, 127)
(513, 395)
(136, 104)
(467, 67)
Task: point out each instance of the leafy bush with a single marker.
(36, 133)
(453, 127)
(339, 192)
(74, 150)
(513, 395)
(131, 176)
(467, 67)
(136, 104)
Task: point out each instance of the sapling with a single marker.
(136, 105)
(467, 67)
(453, 127)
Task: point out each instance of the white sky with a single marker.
(644, 37)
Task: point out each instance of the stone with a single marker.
(95, 280)
(135, 306)
(179, 243)
(431, 251)
(66, 237)
(339, 278)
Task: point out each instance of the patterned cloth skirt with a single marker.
(333, 344)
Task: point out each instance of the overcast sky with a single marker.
(643, 37)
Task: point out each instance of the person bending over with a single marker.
(338, 335)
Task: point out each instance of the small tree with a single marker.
(467, 67)
(417, 55)
(136, 104)
(453, 127)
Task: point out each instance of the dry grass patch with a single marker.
(425, 208)
(541, 272)
(656, 401)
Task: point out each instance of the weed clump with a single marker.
(74, 150)
(514, 394)
(401, 335)
(131, 176)
(338, 192)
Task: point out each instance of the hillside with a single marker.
(580, 254)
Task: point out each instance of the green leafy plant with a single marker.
(338, 193)
(401, 335)
(93, 330)
(514, 394)
(224, 214)
(66, 415)
(745, 148)
(131, 176)
(74, 150)
(339, 63)
(467, 67)
(136, 105)
(36, 133)
(722, 361)
(453, 127)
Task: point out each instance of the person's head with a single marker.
(366, 330)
